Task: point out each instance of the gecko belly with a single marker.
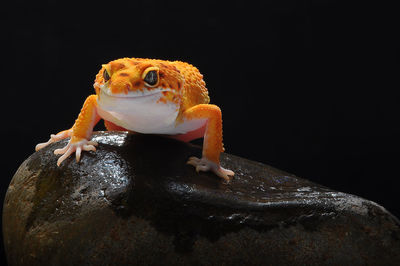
(144, 114)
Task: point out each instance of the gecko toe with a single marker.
(77, 147)
(204, 165)
(62, 150)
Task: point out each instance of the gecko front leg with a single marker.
(212, 146)
(80, 132)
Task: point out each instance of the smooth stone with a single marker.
(135, 201)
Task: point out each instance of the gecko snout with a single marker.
(125, 86)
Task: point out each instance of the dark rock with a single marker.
(135, 201)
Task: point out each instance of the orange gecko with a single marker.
(152, 97)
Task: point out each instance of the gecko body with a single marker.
(152, 97)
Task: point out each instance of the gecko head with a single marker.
(135, 77)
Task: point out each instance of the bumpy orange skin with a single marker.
(126, 75)
(186, 89)
(87, 119)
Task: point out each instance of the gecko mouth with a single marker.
(132, 94)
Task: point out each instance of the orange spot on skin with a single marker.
(162, 100)
(142, 66)
(116, 66)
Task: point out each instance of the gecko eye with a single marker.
(106, 76)
(151, 78)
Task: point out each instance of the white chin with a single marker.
(137, 111)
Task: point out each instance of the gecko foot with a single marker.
(204, 164)
(53, 138)
(77, 147)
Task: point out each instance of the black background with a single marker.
(306, 86)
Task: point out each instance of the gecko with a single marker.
(149, 96)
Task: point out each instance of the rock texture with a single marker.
(135, 201)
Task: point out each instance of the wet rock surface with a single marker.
(135, 201)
